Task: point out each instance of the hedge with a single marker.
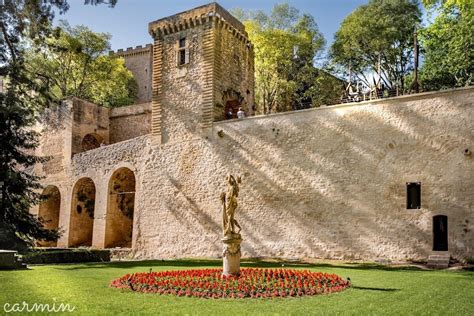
(66, 256)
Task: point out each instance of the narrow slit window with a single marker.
(413, 195)
(183, 52)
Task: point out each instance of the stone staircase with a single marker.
(10, 260)
(438, 260)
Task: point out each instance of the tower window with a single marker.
(413, 195)
(183, 52)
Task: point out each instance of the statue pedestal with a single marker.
(231, 255)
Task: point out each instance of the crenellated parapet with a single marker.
(195, 17)
(133, 51)
(202, 67)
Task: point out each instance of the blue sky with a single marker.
(128, 21)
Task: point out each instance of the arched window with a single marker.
(120, 209)
(49, 212)
(82, 213)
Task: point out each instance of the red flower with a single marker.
(255, 283)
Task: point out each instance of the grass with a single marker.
(376, 290)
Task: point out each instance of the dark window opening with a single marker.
(440, 233)
(413, 195)
(182, 57)
(183, 52)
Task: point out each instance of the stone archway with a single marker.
(49, 212)
(232, 100)
(120, 209)
(91, 141)
(82, 213)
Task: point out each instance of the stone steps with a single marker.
(438, 260)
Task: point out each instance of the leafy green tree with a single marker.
(377, 38)
(75, 63)
(286, 44)
(20, 98)
(448, 45)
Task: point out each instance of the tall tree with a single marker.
(20, 98)
(75, 63)
(286, 44)
(448, 45)
(377, 39)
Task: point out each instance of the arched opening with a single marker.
(49, 212)
(120, 209)
(82, 213)
(440, 233)
(232, 100)
(91, 141)
(231, 109)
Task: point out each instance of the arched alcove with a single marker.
(91, 141)
(82, 213)
(49, 212)
(120, 209)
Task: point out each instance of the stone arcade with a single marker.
(390, 178)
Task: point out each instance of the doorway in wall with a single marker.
(232, 106)
(440, 233)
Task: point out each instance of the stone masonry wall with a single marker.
(128, 122)
(327, 182)
(88, 118)
(139, 61)
(182, 85)
(234, 70)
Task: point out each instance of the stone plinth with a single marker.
(231, 255)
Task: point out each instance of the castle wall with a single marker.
(55, 141)
(234, 71)
(190, 91)
(128, 122)
(88, 118)
(182, 86)
(139, 61)
(327, 182)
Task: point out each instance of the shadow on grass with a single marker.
(373, 289)
(251, 263)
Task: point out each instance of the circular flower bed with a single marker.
(209, 283)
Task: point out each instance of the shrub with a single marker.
(66, 256)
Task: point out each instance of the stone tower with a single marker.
(139, 61)
(203, 67)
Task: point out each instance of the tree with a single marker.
(448, 45)
(377, 38)
(20, 99)
(286, 44)
(75, 63)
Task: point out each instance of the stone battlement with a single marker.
(138, 50)
(193, 17)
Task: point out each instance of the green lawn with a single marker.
(376, 290)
